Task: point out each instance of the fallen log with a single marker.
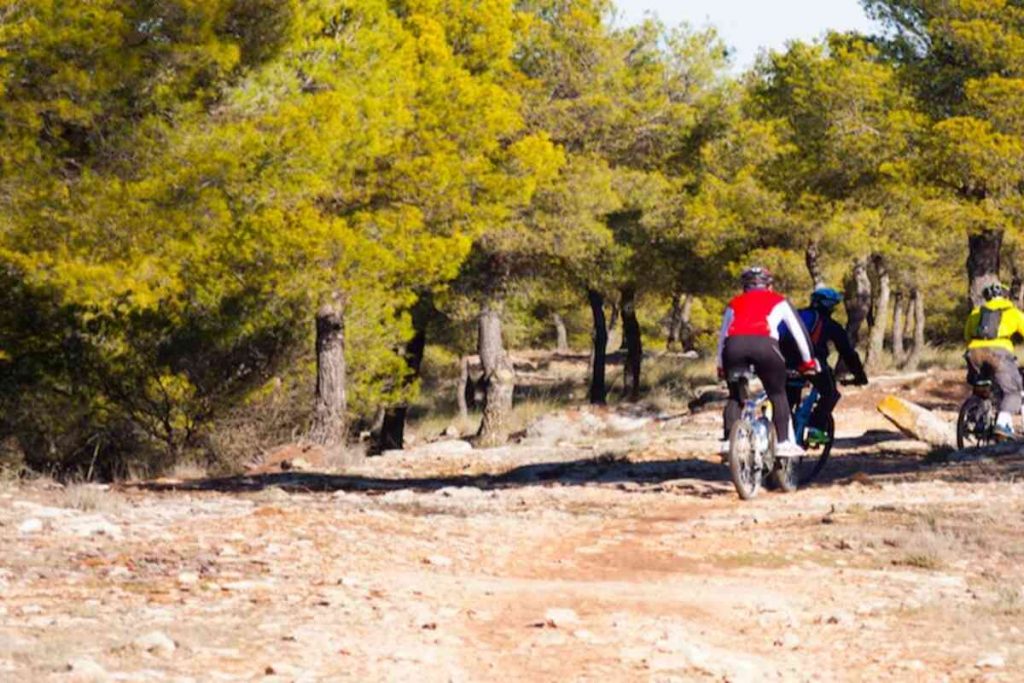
(917, 422)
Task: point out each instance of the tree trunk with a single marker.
(858, 300)
(675, 322)
(687, 338)
(983, 262)
(330, 404)
(908, 325)
(464, 388)
(898, 322)
(914, 359)
(499, 379)
(562, 334)
(876, 342)
(615, 339)
(633, 343)
(1016, 285)
(600, 348)
(392, 430)
(812, 257)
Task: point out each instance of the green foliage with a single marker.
(184, 182)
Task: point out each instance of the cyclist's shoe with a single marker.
(789, 449)
(1004, 432)
(816, 437)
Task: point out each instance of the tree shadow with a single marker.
(606, 469)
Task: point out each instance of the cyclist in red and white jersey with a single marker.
(749, 337)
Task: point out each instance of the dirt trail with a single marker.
(627, 559)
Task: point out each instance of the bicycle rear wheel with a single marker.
(975, 426)
(812, 465)
(746, 475)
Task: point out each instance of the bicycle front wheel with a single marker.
(743, 466)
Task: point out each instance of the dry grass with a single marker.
(90, 498)
(188, 469)
(1009, 600)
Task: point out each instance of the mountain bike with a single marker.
(752, 440)
(810, 466)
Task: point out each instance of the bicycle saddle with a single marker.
(740, 374)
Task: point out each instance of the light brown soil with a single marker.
(448, 569)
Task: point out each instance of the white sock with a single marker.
(1004, 419)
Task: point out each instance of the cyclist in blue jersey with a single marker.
(825, 334)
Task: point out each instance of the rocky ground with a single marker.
(624, 555)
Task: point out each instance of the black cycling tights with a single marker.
(764, 355)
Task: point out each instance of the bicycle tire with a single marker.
(967, 433)
(811, 468)
(741, 460)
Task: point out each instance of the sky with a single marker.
(747, 25)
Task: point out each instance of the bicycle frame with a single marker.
(802, 414)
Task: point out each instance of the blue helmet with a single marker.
(826, 298)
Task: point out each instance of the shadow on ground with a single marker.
(842, 469)
(605, 469)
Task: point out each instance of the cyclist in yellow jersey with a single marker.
(989, 334)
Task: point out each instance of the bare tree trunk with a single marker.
(686, 336)
(917, 301)
(1016, 285)
(675, 322)
(499, 378)
(983, 262)
(812, 257)
(633, 342)
(908, 325)
(876, 342)
(898, 322)
(392, 429)
(600, 348)
(464, 388)
(330, 403)
(562, 334)
(858, 300)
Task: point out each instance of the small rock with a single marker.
(841, 618)
(85, 527)
(282, 669)
(246, 586)
(156, 643)
(560, 617)
(992, 661)
(438, 561)
(293, 456)
(30, 526)
(188, 578)
(790, 641)
(912, 665)
(85, 670)
(451, 432)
